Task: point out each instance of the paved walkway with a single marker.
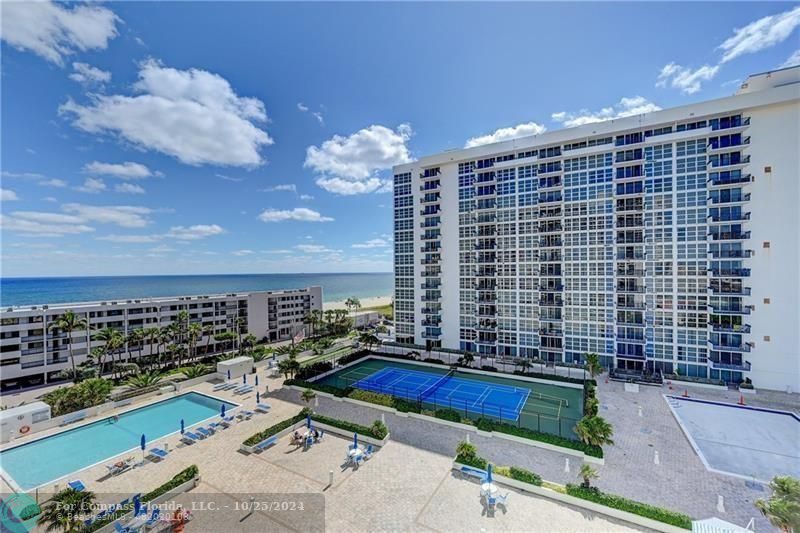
(679, 481)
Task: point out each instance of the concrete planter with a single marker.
(326, 427)
(649, 523)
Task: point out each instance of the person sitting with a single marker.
(297, 438)
(316, 435)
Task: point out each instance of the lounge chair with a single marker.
(321, 434)
(229, 386)
(227, 421)
(120, 466)
(503, 500)
(368, 452)
(203, 431)
(221, 386)
(119, 528)
(77, 484)
(244, 390)
(245, 414)
(190, 438)
(266, 443)
(158, 452)
(263, 407)
(217, 426)
(153, 518)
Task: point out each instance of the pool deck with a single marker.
(402, 488)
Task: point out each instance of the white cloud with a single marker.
(7, 195)
(348, 165)
(792, 60)
(50, 199)
(760, 34)
(626, 107)
(40, 224)
(193, 233)
(301, 214)
(302, 107)
(504, 134)
(306, 197)
(315, 249)
(192, 115)
(242, 253)
(53, 182)
(126, 216)
(52, 31)
(318, 115)
(685, 79)
(126, 171)
(161, 249)
(284, 187)
(372, 243)
(229, 178)
(130, 239)
(92, 186)
(86, 74)
(129, 188)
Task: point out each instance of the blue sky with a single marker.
(147, 138)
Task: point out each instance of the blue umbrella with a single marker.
(137, 505)
(244, 379)
(229, 373)
(143, 442)
(258, 397)
(183, 426)
(355, 441)
(308, 421)
(222, 410)
(256, 380)
(489, 473)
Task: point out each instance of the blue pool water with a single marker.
(50, 458)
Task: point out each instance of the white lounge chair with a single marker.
(263, 407)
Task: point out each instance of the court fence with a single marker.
(554, 424)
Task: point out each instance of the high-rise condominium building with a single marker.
(34, 351)
(666, 241)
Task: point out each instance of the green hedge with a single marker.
(330, 389)
(623, 504)
(180, 478)
(486, 424)
(526, 476)
(550, 377)
(474, 461)
(404, 406)
(448, 414)
(277, 428)
(376, 431)
(372, 397)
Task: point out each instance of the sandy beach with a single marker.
(377, 301)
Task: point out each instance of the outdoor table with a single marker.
(355, 454)
(488, 489)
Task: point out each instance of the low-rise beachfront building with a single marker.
(32, 352)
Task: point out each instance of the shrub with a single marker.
(489, 368)
(551, 377)
(314, 369)
(372, 397)
(448, 414)
(85, 394)
(526, 476)
(404, 406)
(330, 389)
(623, 504)
(434, 361)
(277, 428)
(377, 431)
(355, 356)
(379, 428)
(486, 424)
(475, 461)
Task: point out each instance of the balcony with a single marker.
(431, 285)
(430, 210)
(431, 261)
(548, 170)
(551, 332)
(732, 199)
(549, 243)
(434, 273)
(551, 288)
(430, 248)
(487, 297)
(741, 367)
(485, 286)
(728, 162)
(736, 291)
(432, 322)
(729, 123)
(717, 327)
(430, 173)
(720, 146)
(743, 348)
(729, 217)
(431, 297)
(486, 325)
(431, 186)
(431, 223)
(728, 309)
(548, 302)
(431, 335)
(631, 305)
(632, 288)
(485, 177)
(432, 310)
(730, 272)
(430, 198)
(485, 218)
(730, 254)
(729, 235)
(724, 179)
(485, 205)
(631, 272)
(32, 338)
(431, 236)
(486, 246)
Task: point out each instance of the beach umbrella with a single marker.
(489, 473)
(222, 410)
(183, 426)
(143, 445)
(308, 421)
(244, 379)
(137, 505)
(256, 380)
(258, 397)
(355, 441)
(229, 373)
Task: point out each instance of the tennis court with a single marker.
(550, 408)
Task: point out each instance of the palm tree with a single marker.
(308, 395)
(593, 364)
(594, 430)
(587, 473)
(782, 509)
(226, 337)
(111, 339)
(369, 340)
(329, 316)
(208, 332)
(248, 342)
(69, 322)
(144, 380)
(78, 503)
(196, 371)
(468, 358)
(193, 334)
(136, 338)
(525, 365)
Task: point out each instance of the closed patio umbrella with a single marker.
(489, 473)
(355, 441)
(183, 426)
(308, 421)
(258, 397)
(143, 445)
(229, 373)
(222, 410)
(256, 380)
(137, 505)
(244, 379)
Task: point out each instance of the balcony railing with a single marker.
(728, 310)
(729, 328)
(729, 123)
(723, 178)
(430, 285)
(729, 217)
(431, 335)
(723, 162)
(741, 291)
(727, 254)
(729, 199)
(730, 272)
(729, 235)
(742, 367)
(744, 347)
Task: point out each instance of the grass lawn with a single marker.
(385, 310)
(327, 357)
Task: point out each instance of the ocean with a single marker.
(40, 291)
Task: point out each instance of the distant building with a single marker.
(666, 241)
(31, 353)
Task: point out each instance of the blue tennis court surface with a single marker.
(491, 399)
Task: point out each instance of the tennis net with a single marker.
(436, 384)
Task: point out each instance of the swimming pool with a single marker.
(48, 459)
